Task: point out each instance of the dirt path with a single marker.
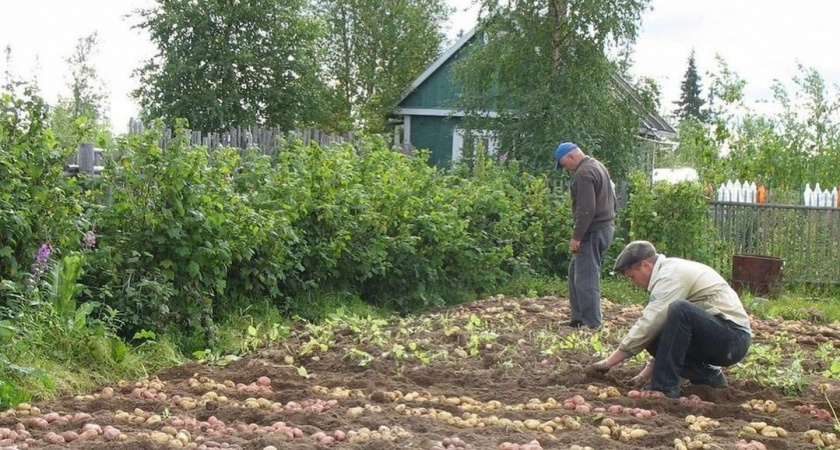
(487, 373)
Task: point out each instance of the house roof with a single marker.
(651, 120)
(653, 124)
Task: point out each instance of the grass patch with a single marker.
(620, 290)
(82, 362)
(535, 286)
(615, 289)
(796, 305)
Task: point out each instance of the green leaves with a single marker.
(220, 66)
(541, 66)
(373, 50)
(673, 216)
(38, 203)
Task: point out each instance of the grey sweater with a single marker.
(593, 198)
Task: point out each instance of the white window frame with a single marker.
(458, 142)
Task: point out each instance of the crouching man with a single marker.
(693, 323)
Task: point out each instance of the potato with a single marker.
(88, 435)
(110, 433)
(70, 436)
(638, 433)
(37, 423)
(52, 438)
(51, 417)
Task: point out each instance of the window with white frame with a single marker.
(462, 142)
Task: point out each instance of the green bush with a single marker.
(38, 203)
(186, 235)
(675, 217)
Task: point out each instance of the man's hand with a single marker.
(600, 367)
(638, 381)
(643, 377)
(574, 246)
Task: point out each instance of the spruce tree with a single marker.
(691, 104)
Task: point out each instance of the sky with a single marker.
(761, 40)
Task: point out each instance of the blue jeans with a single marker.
(585, 277)
(692, 345)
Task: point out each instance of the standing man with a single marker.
(593, 209)
(693, 323)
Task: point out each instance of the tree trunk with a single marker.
(558, 10)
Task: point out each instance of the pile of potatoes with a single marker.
(533, 445)
(751, 445)
(609, 429)
(603, 393)
(765, 406)
(32, 419)
(453, 443)
(816, 413)
(8, 436)
(208, 384)
(640, 413)
(701, 441)
(337, 392)
(325, 439)
(359, 411)
(22, 410)
(383, 433)
(89, 432)
(694, 400)
(578, 404)
(763, 429)
(700, 423)
(822, 440)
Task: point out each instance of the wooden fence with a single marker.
(806, 238)
(266, 139)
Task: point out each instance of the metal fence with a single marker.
(806, 238)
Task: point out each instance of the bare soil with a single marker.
(413, 383)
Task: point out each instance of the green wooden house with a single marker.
(430, 122)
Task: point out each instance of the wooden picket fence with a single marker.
(268, 140)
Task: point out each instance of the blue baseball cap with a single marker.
(562, 150)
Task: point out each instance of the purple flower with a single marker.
(89, 241)
(39, 268)
(43, 254)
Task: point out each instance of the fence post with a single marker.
(87, 158)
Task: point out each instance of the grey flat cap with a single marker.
(633, 253)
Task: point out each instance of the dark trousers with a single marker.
(585, 277)
(692, 345)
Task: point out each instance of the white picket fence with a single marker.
(821, 198)
(744, 192)
(737, 192)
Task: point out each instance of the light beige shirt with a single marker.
(679, 279)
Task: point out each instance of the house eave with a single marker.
(441, 112)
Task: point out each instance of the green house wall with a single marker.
(439, 90)
(434, 134)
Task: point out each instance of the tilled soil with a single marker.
(491, 372)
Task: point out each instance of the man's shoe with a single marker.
(573, 324)
(717, 380)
